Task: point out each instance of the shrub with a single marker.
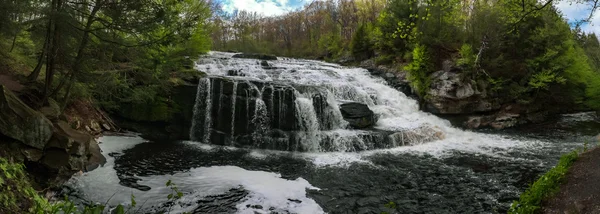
(418, 70)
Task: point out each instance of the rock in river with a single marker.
(358, 115)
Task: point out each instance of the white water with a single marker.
(265, 188)
(396, 111)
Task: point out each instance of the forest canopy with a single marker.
(525, 49)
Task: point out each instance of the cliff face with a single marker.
(51, 149)
(471, 103)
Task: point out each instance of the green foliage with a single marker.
(547, 185)
(419, 70)
(331, 44)
(543, 79)
(361, 46)
(467, 57)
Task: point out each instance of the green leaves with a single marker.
(419, 70)
(119, 209)
(547, 185)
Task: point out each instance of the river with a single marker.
(271, 139)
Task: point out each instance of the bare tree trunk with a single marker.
(38, 68)
(51, 56)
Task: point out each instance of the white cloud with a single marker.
(575, 12)
(267, 7)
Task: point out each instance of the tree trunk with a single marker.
(38, 68)
(12, 47)
(51, 56)
(76, 67)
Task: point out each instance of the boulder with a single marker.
(52, 110)
(264, 63)
(500, 120)
(449, 94)
(70, 151)
(255, 56)
(22, 123)
(358, 115)
(422, 134)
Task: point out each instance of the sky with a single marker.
(571, 11)
(265, 7)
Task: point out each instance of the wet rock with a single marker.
(505, 120)
(295, 200)
(501, 120)
(235, 73)
(423, 134)
(255, 56)
(474, 122)
(358, 115)
(264, 63)
(22, 123)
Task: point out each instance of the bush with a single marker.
(418, 70)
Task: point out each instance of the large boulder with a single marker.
(22, 123)
(358, 115)
(255, 56)
(69, 151)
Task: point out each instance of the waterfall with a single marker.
(203, 104)
(233, 100)
(260, 120)
(295, 106)
(309, 124)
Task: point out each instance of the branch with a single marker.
(535, 9)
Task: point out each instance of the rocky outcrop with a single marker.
(51, 152)
(69, 151)
(22, 123)
(255, 56)
(450, 94)
(509, 116)
(358, 115)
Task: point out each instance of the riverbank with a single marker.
(580, 191)
(572, 186)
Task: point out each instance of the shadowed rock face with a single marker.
(51, 152)
(255, 56)
(358, 115)
(22, 123)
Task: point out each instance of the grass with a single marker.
(545, 187)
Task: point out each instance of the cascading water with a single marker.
(302, 99)
(414, 159)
